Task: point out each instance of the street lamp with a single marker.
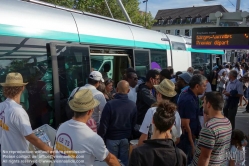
(237, 4)
(145, 1)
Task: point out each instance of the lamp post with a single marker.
(145, 1)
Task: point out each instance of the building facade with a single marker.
(181, 21)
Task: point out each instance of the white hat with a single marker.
(95, 75)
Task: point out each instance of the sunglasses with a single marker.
(134, 78)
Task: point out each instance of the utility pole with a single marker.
(145, 1)
(238, 6)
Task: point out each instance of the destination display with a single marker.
(220, 38)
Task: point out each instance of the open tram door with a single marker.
(215, 60)
(70, 69)
(111, 62)
(142, 62)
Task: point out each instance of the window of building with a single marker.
(161, 22)
(178, 21)
(188, 20)
(177, 32)
(167, 31)
(187, 32)
(198, 20)
(170, 21)
(208, 19)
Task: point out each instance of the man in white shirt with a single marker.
(94, 80)
(76, 143)
(165, 91)
(132, 79)
(15, 130)
(226, 69)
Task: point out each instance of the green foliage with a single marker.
(99, 7)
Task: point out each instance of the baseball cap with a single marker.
(186, 77)
(95, 75)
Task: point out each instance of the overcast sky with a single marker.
(155, 5)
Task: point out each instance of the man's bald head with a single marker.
(123, 87)
(190, 70)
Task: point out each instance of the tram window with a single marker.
(115, 64)
(142, 63)
(178, 46)
(18, 55)
(201, 61)
(159, 57)
(74, 68)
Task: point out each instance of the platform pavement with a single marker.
(242, 123)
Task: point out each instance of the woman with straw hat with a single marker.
(165, 91)
(15, 129)
(76, 141)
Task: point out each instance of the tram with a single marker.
(55, 48)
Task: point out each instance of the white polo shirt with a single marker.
(78, 145)
(176, 132)
(98, 96)
(15, 125)
(132, 95)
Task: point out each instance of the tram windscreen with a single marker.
(220, 38)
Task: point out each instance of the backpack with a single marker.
(69, 111)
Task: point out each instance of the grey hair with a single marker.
(197, 79)
(196, 72)
(234, 73)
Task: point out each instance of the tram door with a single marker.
(70, 69)
(142, 62)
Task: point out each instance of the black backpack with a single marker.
(69, 111)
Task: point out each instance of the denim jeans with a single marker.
(185, 146)
(119, 148)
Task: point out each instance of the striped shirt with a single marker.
(215, 135)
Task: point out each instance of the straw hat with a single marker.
(83, 101)
(14, 79)
(166, 88)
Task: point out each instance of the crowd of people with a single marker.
(182, 119)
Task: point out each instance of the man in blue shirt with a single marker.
(233, 92)
(117, 123)
(188, 108)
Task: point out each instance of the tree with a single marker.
(99, 7)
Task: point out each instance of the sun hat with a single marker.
(97, 76)
(186, 77)
(83, 101)
(166, 88)
(13, 79)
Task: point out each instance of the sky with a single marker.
(154, 5)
